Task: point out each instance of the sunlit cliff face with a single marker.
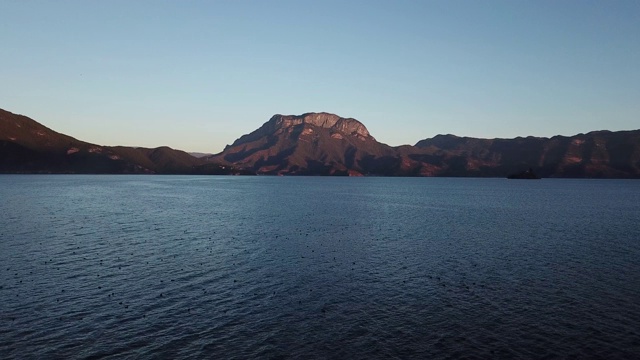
(325, 120)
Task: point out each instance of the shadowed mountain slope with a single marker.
(27, 146)
(597, 154)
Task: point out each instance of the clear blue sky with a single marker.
(196, 75)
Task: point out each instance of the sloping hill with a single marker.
(27, 146)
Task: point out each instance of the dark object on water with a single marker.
(529, 174)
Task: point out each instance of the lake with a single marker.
(316, 267)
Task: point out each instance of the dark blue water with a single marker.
(296, 267)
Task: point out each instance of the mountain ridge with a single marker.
(27, 146)
(327, 144)
(308, 145)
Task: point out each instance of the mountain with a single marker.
(597, 154)
(27, 146)
(327, 144)
(310, 144)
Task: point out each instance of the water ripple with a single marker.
(220, 267)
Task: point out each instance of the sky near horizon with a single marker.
(196, 75)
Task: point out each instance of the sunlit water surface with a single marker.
(305, 267)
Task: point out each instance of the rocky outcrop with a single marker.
(279, 124)
(307, 144)
(348, 126)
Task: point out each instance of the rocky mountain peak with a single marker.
(347, 126)
(285, 124)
